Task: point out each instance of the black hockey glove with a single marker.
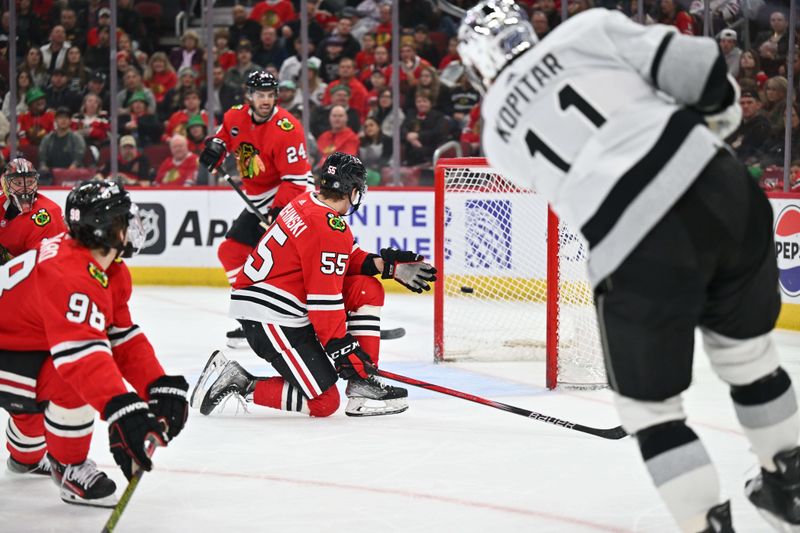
(130, 423)
(213, 153)
(349, 359)
(273, 213)
(168, 402)
(408, 269)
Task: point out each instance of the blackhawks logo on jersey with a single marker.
(336, 222)
(99, 275)
(237, 106)
(285, 124)
(248, 161)
(41, 217)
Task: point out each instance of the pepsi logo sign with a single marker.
(787, 248)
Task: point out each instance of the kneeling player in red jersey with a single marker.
(70, 298)
(269, 145)
(26, 217)
(310, 306)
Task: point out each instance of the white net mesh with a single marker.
(494, 306)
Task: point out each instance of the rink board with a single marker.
(185, 226)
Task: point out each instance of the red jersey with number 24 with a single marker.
(59, 299)
(295, 275)
(271, 156)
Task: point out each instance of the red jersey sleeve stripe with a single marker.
(71, 351)
(119, 336)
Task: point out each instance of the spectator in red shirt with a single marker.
(191, 107)
(339, 138)
(358, 93)
(160, 77)
(410, 63)
(181, 168)
(36, 123)
(273, 13)
(226, 58)
(452, 53)
(366, 56)
(92, 122)
(196, 131)
(673, 14)
(383, 33)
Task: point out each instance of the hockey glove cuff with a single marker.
(168, 402)
(368, 267)
(349, 359)
(213, 153)
(408, 269)
(130, 424)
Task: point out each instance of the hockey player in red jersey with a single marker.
(26, 217)
(70, 297)
(270, 150)
(310, 306)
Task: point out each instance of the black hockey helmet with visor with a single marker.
(344, 173)
(21, 183)
(100, 214)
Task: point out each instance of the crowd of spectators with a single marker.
(63, 69)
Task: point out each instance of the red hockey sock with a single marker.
(25, 438)
(279, 394)
(232, 255)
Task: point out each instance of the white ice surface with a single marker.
(446, 465)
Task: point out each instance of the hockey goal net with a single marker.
(512, 279)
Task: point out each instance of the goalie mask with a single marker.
(99, 212)
(21, 183)
(344, 173)
(492, 34)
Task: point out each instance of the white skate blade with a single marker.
(108, 502)
(209, 374)
(369, 407)
(237, 344)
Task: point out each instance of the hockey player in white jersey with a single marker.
(619, 125)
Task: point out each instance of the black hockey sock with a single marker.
(767, 412)
(682, 472)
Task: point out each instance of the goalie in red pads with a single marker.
(70, 297)
(310, 306)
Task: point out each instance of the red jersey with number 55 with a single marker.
(58, 299)
(271, 156)
(295, 275)
(20, 232)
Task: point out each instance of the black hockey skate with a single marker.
(777, 494)
(83, 484)
(220, 379)
(236, 338)
(373, 397)
(719, 519)
(42, 468)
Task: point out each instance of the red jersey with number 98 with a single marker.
(271, 156)
(59, 299)
(295, 274)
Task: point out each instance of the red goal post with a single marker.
(512, 279)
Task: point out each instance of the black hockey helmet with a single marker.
(97, 210)
(20, 183)
(344, 173)
(261, 80)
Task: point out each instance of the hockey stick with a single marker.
(150, 444)
(389, 334)
(610, 433)
(262, 219)
(386, 334)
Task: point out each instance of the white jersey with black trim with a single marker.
(594, 117)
